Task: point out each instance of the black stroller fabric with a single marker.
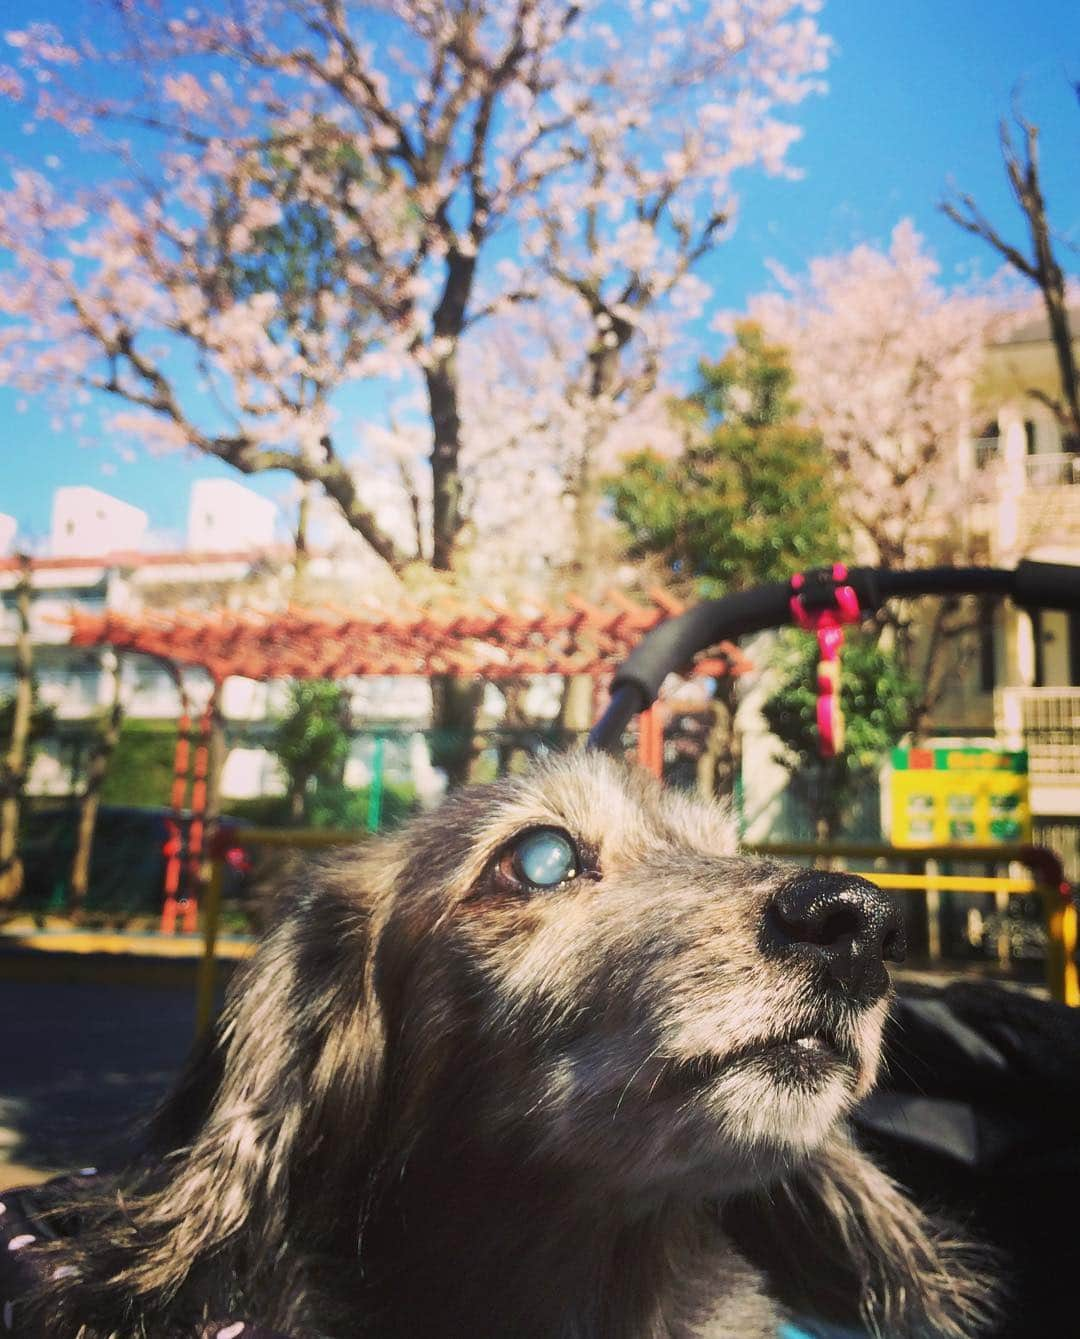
(27, 1219)
(978, 1115)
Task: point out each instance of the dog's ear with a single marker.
(841, 1243)
(279, 1146)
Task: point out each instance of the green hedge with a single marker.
(327, 807)
(141, 770)
(141, 773)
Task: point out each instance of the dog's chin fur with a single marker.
(440, 1103)
(663, 1127)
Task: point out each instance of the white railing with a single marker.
(1046, 721)
(986, 452)
(1053, 471)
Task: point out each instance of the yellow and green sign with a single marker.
(960, 797)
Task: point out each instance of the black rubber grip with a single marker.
(676, 641)
(673, 645)
(1046, 585)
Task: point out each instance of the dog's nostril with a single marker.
(799, 928)
(838, 922)
(839, 925)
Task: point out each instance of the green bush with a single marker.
(877, 697)
(327, 807)
(262, 811)
(141, 770)
(340, 807)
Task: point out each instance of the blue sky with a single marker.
(915, 92)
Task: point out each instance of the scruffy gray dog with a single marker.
(550, 1063)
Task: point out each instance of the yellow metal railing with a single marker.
(1059, 907)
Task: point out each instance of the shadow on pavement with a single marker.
(80, 1064)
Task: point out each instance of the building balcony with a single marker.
(1027, 505)
(1046, 722)
(1057, 470)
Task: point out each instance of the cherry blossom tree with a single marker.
(530, 415)
(886, 360)
(299, 195)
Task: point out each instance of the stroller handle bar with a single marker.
(673, 645)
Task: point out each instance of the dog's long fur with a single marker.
(439, 1105)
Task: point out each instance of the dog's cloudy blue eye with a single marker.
(546, 858)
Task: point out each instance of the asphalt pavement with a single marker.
(79, 1065)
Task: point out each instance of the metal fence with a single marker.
(1014, 903)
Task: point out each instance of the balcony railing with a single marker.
(1048, 720)
(987, 451)
(1053, 471)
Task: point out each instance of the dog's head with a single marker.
(623, 993)
(568, 980)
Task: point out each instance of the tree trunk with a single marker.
(15, 766)
(300, 541)
(456, 705)
(297, 795)
(1058, 318)
(455, 702)
(104, 747)
(215, 769)
(576, 709)
(215, 764)
(720, 764)
(442, 391)
(510, 751)
(586, 502)
(604, 365)
(1028, 187)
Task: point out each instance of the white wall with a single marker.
(224, 517)
(86, 521)
(8, 530)
(249, 773)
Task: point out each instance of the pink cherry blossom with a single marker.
(523, 184)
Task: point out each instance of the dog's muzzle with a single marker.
(840, 924)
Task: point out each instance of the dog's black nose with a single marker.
(842, 922)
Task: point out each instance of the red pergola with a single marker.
(486, 640)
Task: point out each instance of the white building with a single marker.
(96, 562)
(1033, 673)
(85, 520)
(226, 517)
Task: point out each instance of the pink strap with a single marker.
(828, 624)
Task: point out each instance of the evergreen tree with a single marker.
(312, 741)
(876, 698)
(752, 498)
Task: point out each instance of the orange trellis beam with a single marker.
(485, 641)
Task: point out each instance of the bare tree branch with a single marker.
(1040, 268)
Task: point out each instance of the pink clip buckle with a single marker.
(828, 624)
